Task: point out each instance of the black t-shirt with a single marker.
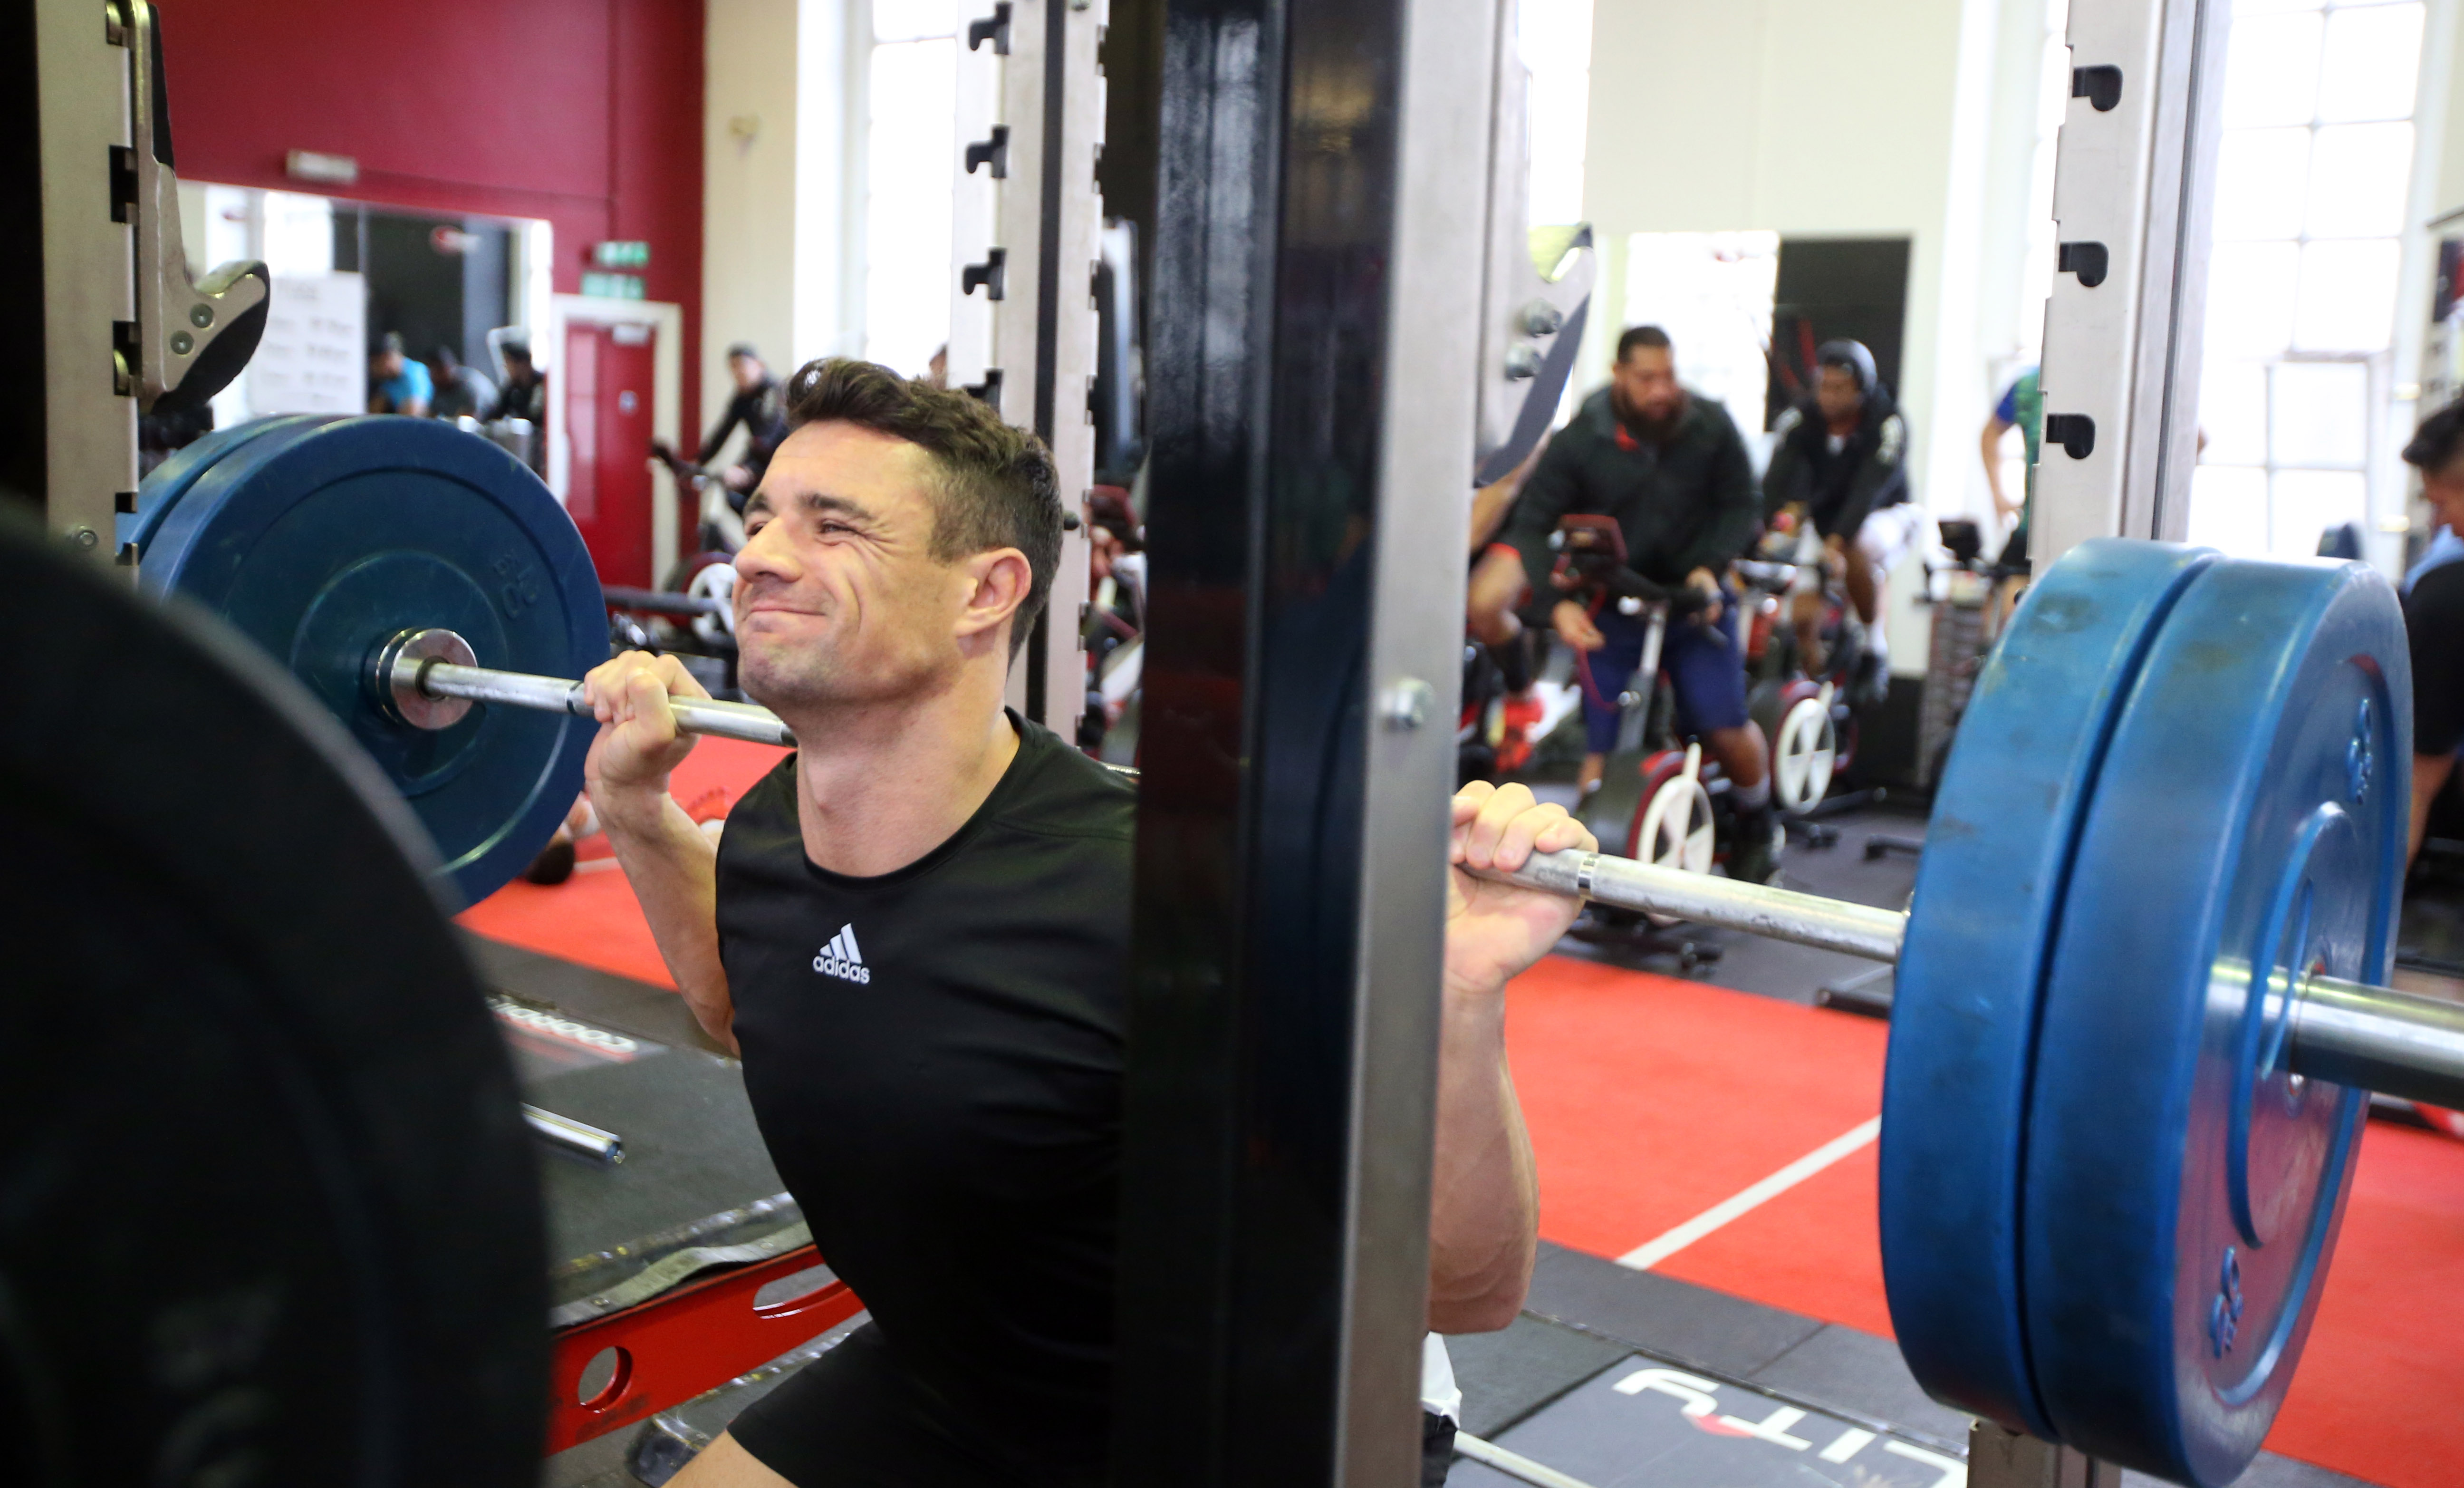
(2433, 623)
(935, 1057)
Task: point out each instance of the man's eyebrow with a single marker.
(816, 502)
(819, 502)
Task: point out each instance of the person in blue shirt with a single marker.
(397, 383)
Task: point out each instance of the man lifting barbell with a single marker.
(2133, 1017)
(915, 929)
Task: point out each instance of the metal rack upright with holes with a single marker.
(1025, 222)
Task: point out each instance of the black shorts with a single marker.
(853, 1419)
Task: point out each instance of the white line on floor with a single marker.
(1644, 1256)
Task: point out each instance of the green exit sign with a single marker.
(612, 286)
(620, 255)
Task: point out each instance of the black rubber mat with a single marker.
(1547, 1389)
(627, 1058)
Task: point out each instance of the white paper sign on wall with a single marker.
(314, 358)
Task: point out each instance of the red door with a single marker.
(608, 425)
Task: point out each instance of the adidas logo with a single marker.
(842, 960)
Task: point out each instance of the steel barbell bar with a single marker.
(2346, 1033)
(429, 679)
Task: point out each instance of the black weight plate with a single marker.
(2184, 1187)
(321, 539)
(268, 1211)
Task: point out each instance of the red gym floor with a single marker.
(1657, 1103)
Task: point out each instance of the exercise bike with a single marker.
(1661, 800)
(1810, 720)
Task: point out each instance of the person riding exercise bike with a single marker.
(1669, 471)
(1659, 801)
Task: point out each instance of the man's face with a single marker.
(2444, 490)
(519, 372)
(838, 598)
(1835, 390)
(1646, 382)
(388, 364)
(746, 371)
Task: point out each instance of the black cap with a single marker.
(743, 348)
(1852, 355)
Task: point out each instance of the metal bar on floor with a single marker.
(1513, 1464)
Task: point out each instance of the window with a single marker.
(2313, 178)
(1712, 292)
(2036, 276)
(1555, 39)
(912, 89)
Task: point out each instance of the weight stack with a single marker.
(1956, 651)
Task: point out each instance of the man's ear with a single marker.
(998, 581)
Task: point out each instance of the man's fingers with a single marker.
(1465, 806)
(1524, 833)
(1562, 833)
(1486, 829)
(678, 682)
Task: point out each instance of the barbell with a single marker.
(2138, 998)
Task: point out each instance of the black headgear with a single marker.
(1852, 355)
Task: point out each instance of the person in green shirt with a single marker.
(2022, 407)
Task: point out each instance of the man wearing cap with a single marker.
(524, 393)
(760, 408)
(398, 384)
(1843, 456)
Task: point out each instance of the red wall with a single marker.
(587, 113)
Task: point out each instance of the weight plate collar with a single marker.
(321, 539)
(2182, 1190)
(1970, 977)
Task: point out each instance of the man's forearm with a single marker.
(1484, 1205)
(673, 866)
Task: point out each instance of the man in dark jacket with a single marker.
(1671, 470)
(760, 408)
(523, 394)
(1843, 458)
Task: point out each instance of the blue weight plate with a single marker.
(161, 490)
(2183, 1190)
(1970, 975)
(321, 539)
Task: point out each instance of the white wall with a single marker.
(1815, 119)
(776, 187)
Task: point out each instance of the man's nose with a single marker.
(765, 556)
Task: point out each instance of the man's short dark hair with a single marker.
(744, 349)
(2438, 441)
(1643, 336)
(389, 343)
(998, 486)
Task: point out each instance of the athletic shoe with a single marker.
(1872, 682)
(1523, 711)
(1755, 856)
(554, 864)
